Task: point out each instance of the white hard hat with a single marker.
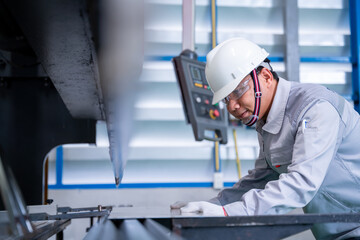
(229, 62)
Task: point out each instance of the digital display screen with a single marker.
(195, 73)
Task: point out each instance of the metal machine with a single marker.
(64, 65)
(205, 118)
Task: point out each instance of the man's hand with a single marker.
(206, 208)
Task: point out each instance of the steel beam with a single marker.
(291, 33)
(354, 11)
(60, 35)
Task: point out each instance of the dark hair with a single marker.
(267, 61)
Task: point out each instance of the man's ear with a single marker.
(267, 75)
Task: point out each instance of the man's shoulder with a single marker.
(303, 95)
(307, 91)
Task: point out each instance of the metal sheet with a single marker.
(198, 226)
(144, 212)
(46, 229)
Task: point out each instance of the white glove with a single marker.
(178, 205)
(206, 208)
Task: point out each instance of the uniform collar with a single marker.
(276, 114)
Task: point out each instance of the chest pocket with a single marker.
(280, 159)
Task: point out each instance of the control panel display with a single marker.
(198, 77)
(197, 98)
(195, 73)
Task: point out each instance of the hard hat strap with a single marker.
(258, 95)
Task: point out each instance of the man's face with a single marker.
(241, 102)
(242, 107)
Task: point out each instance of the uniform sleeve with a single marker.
(256, 179)
(314, 148)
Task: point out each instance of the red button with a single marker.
(207, 101)
(216, 113)
(278, 166)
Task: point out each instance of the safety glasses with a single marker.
(239, 91)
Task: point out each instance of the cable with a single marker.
(237, 154)
(213, 23)
(217, 157)
(213, 44)
(212, 139)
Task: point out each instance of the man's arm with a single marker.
(313, 151)
(256, 179)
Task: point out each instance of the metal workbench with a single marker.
(161, 223)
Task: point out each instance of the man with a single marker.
(308, 136)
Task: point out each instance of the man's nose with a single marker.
(233, 105)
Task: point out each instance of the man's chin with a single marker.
(246, 119)
(245, 115)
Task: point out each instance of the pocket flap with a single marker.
(281, 156)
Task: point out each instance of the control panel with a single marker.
(197, 97)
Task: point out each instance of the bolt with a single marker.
(46, 82)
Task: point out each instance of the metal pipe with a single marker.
(188, 24)
(291, 30)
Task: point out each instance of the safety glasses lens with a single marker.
(242, 88)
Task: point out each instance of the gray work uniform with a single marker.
(309, 158)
